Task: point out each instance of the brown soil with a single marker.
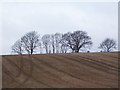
(75, 70)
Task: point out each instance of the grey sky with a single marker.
(98, 19)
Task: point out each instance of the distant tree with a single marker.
(30, 41)
(58, 37)
(46, 42)
(53, 42)
(40, 47)
(64, 46)
(68, 39)
(17, 47)
(108, 45)
(49, 47)
(77, 40)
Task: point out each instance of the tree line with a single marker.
(58, 43)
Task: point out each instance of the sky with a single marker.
(98, 19)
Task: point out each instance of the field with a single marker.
(75, 70)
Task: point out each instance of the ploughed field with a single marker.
(73, 70)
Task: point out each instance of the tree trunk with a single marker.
(76, 51)
(53, 49)
(108, 50)
(31, 51)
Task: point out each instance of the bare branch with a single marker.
(108, 45)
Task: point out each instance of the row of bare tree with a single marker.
(58, 43)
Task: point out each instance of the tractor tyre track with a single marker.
(93, 64)
(65, 72)
(26, 74)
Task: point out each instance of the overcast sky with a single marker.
(98, 19)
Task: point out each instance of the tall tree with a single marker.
(30, 41)
(68, 39)
(77, 40)
(53, 42)
(58, 37)
(40, 47)
(64, 46)
(46, 42)
(17, 47)
(108, 45)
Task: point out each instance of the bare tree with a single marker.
(46, 42)
(57, 42)
(108, 45)
(49, 46)
(77, 40)
(17, 47)
(64, 46)
(53, 42)
(40, 47)
(30, 41)
(67, 37)
(58, 37)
